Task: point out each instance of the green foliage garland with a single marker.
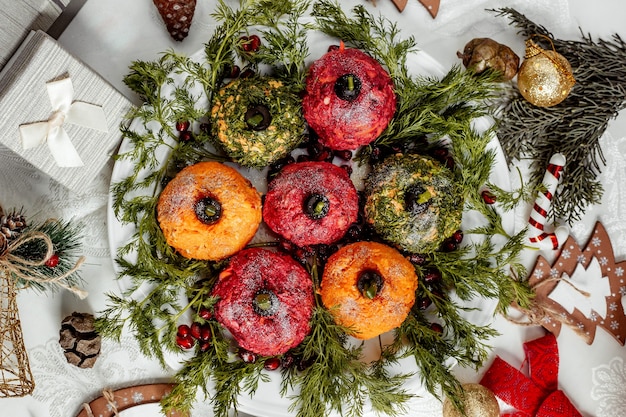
(335, 379)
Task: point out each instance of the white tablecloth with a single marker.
(109, 34)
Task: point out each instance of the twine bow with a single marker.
(537, 395)
(26, 269)
(61, 94)
(537, 313)
(109, 396)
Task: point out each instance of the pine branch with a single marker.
(573, 127)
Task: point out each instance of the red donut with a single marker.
(265, 301)
(310, 203)
(349, 99)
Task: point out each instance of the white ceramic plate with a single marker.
(267, 402)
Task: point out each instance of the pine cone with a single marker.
(12, 225)
(80, 342)
(177, 15)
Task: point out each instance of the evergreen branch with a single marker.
(573, 127)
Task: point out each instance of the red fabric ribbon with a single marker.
(537, 395)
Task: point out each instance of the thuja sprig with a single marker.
(573, 127)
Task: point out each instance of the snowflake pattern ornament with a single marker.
(584, 289)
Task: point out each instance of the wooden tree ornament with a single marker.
(583, 289)
(16, 378)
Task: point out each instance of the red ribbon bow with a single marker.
(537, 395)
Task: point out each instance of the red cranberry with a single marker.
(346, 168)
(205, 127)
(52, 261)
(488, 197)
(247, 73)
(271, 364)
(417, 258)
(431, 276)
(345, 155)
(245, 43)
(182, 125)
(184, 342)
(458, 236)
(440, 153)
(204, 346)
(423, 303)
(247, 356)
(436, 327)
(205, 314)
(183, 330)
(449, 245)
(255, 43)
(205, 333)
(185, 136)
(288, 360)
(195, 330)
(234, 71)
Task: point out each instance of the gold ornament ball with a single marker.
(545, 79)
(479, 402)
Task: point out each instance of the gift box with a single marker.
(58, 114)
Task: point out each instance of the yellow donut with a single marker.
(369, 288)
(209, 211)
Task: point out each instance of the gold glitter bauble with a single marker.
(545, 77)
(479, 402)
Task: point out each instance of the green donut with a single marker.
(413, 202)
(257, 120)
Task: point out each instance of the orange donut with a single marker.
(209, 211)
(369, 288)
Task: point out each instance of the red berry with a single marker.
(271, 364)
(205, 333)
(346, 155)
(450, 245)
(183, 330)
(185, 136)
(488, 197)
(288, 360)
(182, 125)
(195, 330)
(458, 236)
(247, 73)
(205, 314)
(417, 258)
(235, 71)
(346, 168)
(436, 327)
(245, 43)
(204, 346)
(52, 261)
(423, 303)
(255, 43)
(440, 153)
(205, 128)
(432, 276)
(184, 342)
(247, 356)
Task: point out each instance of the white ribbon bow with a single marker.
(87, 115)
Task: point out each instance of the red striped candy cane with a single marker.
(537, 220)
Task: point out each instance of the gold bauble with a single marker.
(545, 77)
(479, 402)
